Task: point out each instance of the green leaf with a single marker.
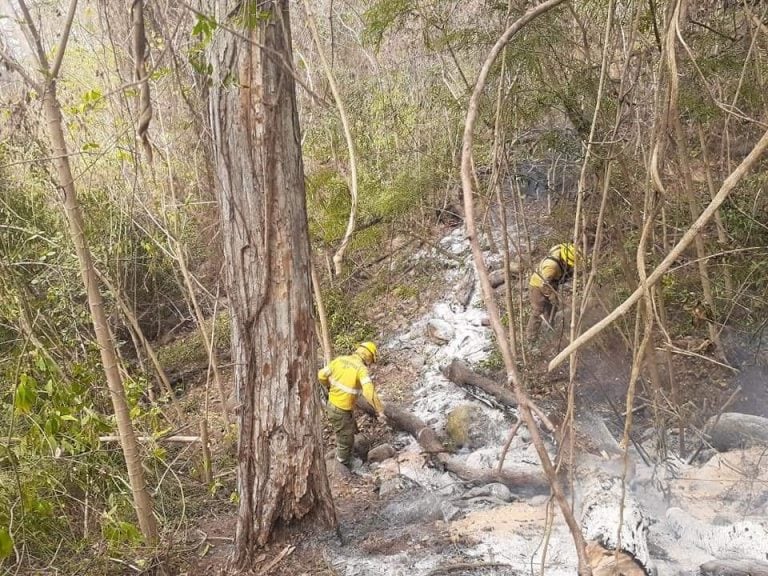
(6, 543)
(204, 27)
(161, 433)
(26, 394)
(251, 16)
(382, 16)
(92, 96)
(52, 426)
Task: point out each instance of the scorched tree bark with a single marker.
(260, 190)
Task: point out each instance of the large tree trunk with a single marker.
(141, 499)
(260, 189)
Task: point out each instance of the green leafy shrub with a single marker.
(346, 323)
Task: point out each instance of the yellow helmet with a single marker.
(368, 351)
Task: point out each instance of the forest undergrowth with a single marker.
(631, 129)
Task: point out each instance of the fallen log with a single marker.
(408, 422)
(600, 504)
(521, 481)
(606, 562)
(459, 373)
(525, 481)
(465, 289)
(602, 496)
(497, 276)
(734, 568)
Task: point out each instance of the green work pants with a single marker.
(343, 424)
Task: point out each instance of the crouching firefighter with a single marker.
(553, 269)
(346, 377)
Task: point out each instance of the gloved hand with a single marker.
(381, 418)
(549, 293)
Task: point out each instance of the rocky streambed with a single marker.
(675, 516)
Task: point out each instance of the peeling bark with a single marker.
(261, 195)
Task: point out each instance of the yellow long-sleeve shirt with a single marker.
(346, 377)
(549, 271)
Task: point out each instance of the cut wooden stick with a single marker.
(177, 439)
(504, 451)
(279, 558)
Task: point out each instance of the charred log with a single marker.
(734, 568)
(525, 481)
(459, 373)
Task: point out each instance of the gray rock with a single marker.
(336, 469)
(493, 491)
(733, 567)
(501, 492)
(362, 445)
(396, 485)
(417, 362)
(448, 486)
(485, 502)
(425, 507)
(380, 453)
(477, 491)
(440, 331)
(734, 430)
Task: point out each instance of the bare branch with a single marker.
(141, 76)
(14, 65)
(64, 39)
(33, 36)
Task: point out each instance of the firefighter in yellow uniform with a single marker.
(346, 377)
(545, 280)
